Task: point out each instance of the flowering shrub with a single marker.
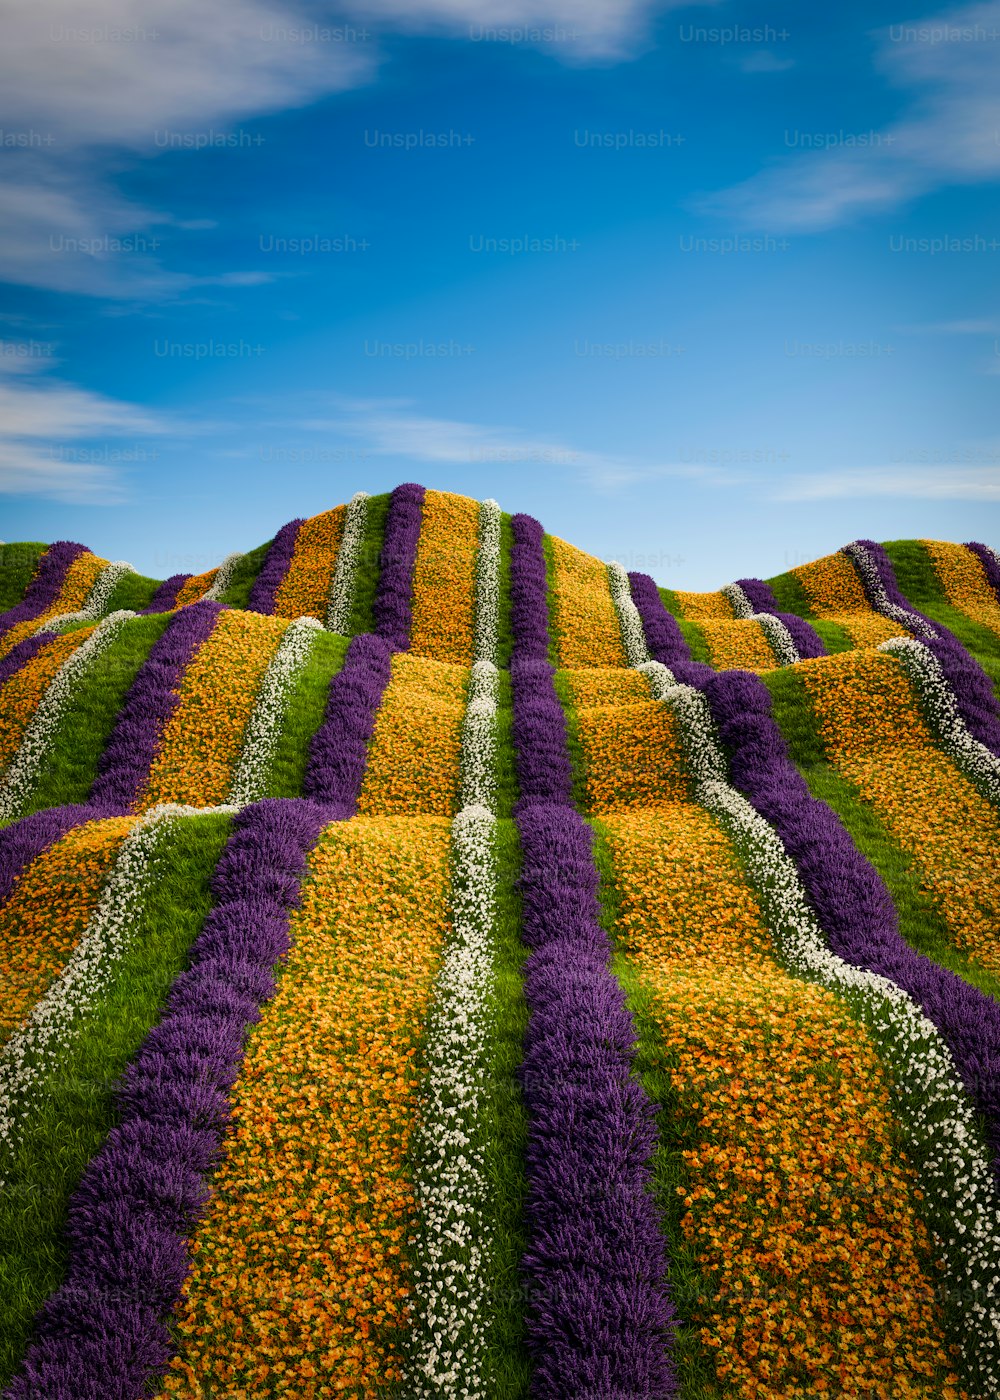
(339, 749)
(22, 774)
(738, 644)
(260, 739)
(778, 635)
(487, 624)
(443, 578)
(341, 597)
(275, 567)
(586, 622)
(208, 587)
(881, 591)
(165, 597)
(394, 592)
(22, 843)
(705, 605)
(990, 561)
(664, 638)
(760, 599)
(629, 622)
(963, 573)
(834, 589)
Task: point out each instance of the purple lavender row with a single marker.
(338, 753)
(808, 642)
(275, 567)
(393, 607)
(45, 585)
(977, 704)
(165, 597)
(599, 1319)
(852, 904)
(152, 698)
(989, 562)
(541, 749)
(664, 638)
(102, 1334)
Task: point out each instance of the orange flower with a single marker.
(444, 578)
(585, 618)
(305, 589)
(964, 580)
(834, 589)
(21, 694)
(80, 578)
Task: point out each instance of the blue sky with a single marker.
(710, 288)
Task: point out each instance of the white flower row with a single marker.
(869, 573)
(956, 1175)
(941, 707)
(97, 599)
(263, 729)
(45, 1039)
(341, 601)
(222, 579)
(780, 639)
(22, 774)
(450, 1292)
(486, 636)
(629, 621)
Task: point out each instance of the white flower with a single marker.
(222, 579)
(263, 729)
(629, 621)
(341, 601)
(868, 570)
(97, 599)
(779, 638)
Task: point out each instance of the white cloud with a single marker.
(946, 134)
(43, 422)
(391, 428)
(915, 483)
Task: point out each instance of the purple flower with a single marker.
(664, 638)
(45, 586)
(394, 592)
(102, 1334)
(152, 698)
(851, 902)
(339, 749)
(275, 567)
(22, 653)
(808, 642)
(165, 596)
(974, 695)
(988, 560)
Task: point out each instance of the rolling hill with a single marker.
(441, 964)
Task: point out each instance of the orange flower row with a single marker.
(202, 740)
(876, 735)
(305, 589)
(196, 587)
(414, 753)
(799, 1212)
(80, 578)
(22, 692)
(300, 1276)
(49, 910)
(444, 591)
(965, 583)
(630, 742)
(585, 617)
(738, 645)
(696, 606)
(835, 592)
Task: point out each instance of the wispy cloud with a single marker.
(53, 434)
(392, 429)
(915, 483)
(946, 66)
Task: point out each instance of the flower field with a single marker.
(438, 964)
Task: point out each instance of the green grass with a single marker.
(680, 1129)
(552, 597)
(17, 565)
(790, 595)
(305, 715)
(133, 591)
(834, 637)
(920, 921)
(244, 576)
(366, 577)
(670, 601)
(506, 772)
(505, 639)
(507, 1370)
(577, 757)
(695, 638)
(70, 765)
(76, 1110)
(915, 572)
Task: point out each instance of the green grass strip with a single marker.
(552, 596)
(244, 576)
(17, 566)
(70, 765)
(577, 757)
(505, 638)
(697, 644)
(834, 637)
(77, 1110)
(790, 595)
(304, 715)
(507, 1362)
(671, 601)
(506, 772)
(133, 591)
(680, 1130)
(367, 574)
(915, 572)
(920, 921)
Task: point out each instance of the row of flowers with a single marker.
(444, 594)
(761, 602)
(297, 575)
(342, 590)
(95, 604)
(63, 587)
(964, 574)
(598, 1314)
(855, 916)
(774, 628)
